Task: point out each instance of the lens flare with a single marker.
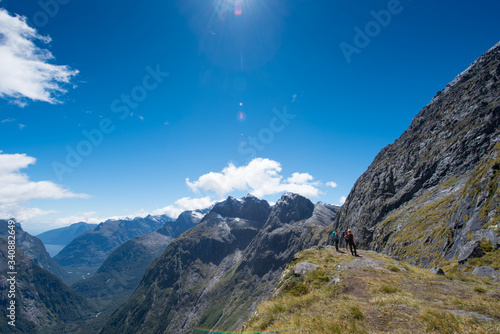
(241, 116)
(237, 7)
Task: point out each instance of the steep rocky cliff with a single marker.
(34, 249)
(215, 274)
(44, 304)
(433, 194)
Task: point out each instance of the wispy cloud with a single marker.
(25, 70)
(342, 199)
(86, 217)
(16, 188)
(8, 120)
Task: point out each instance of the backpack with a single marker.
(349, 238)
(334, 236)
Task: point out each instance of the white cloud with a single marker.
(260, 177)
(300, 178)
(16, 188)
(183, 204)
(86, 217)
(342, 199)
(331, 184)
(25, 71)
(8, 120)
(21, 213)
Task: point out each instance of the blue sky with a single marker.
(282, 96)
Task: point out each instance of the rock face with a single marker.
(185, 221)
(215, 274)
(86, 253)
(33, 248)
(43, 301)
(435, 189)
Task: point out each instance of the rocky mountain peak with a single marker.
(248, 207)
(292, 207)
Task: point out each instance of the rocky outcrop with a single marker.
(303, 268)
(435, 189)
(215, 274)
(486, 271)
(33, 248)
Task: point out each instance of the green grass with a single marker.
(377, 299)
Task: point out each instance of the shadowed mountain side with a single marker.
(185, 221)
(43, 301)
(209, 277)
(33, 248)
(85, 254)
(61, 237)
(122, 271)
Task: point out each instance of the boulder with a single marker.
(303, 268)
(470, 250)
(336, 279)
(437, 271)
(486, 271)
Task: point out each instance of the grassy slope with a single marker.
(376, 294)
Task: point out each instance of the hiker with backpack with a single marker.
(342, 239)
(335, 237)
(349, 237)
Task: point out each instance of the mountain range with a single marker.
(55, 240)
(122, 271)
(431, 199)
(216, 273)
(86, 253)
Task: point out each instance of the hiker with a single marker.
(350, 241)
(342, 238)
(335, 237)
